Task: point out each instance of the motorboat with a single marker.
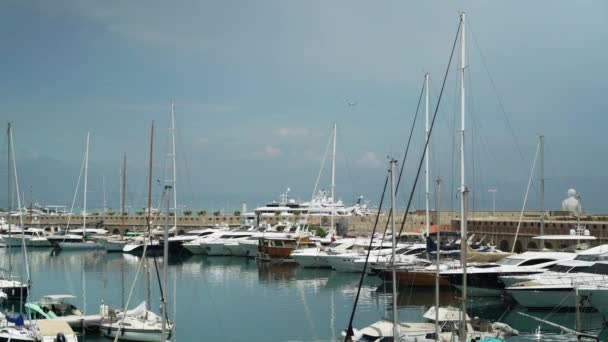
(14, 290)
(484, 279)
(557, 290)
(316, 257)
(279, 249)
(33, 237)
(176, 243)
(53, 306)
(76, 239)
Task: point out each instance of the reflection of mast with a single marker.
(9, 189)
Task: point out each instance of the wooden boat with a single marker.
(279, 248)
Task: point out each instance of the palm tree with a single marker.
(237, 213)
(202, 213)
(187, 212)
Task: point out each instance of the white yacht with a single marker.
(550, 291)
(34, 237)
(322, 204)
(317, 257)
(218, 246)
(346, 262)
(483, 279)
(579, 264)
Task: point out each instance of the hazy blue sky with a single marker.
(257, 85)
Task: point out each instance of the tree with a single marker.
(217, 213)
(187, 212)
(237, 213)
(318, 231)
(139, 213)
(95, 214)
(202, 213)
(111, 213)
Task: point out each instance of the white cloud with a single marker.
(368, 159)
(268, 152)
(293, 132)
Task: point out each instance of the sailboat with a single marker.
(447, 323)
(77, 239)
(116, 244)
(141, 324)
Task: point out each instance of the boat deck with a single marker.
(76, 322)
(49, 328)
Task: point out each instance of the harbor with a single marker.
(320, 171)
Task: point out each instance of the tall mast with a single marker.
(542, 190)
(392, 163)
(86, 170)
(122, 199)
(9, 189)
(103, 184)
(174, 168)
(463, 188)
(437, 252)
(165, 267)
(332, 230)
(150, 176)
(426, 155)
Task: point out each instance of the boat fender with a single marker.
(60, 337)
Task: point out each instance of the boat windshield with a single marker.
(510, 261)
(561, 268)
(598, 268)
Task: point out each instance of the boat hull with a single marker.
(482, 284)
(311, 261)
(79, 245)
(127, 334)
(562, 297)
(195, 249)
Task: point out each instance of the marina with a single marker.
(371, 220)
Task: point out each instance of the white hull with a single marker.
(346, 264)
(15, 241)
(132, 335)
(113, 246)
(79, 245)
(215, 249)
(195, 249)
(309, 260)
(546, 299)
(250, 250)
(235, 250)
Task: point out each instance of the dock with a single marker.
(48, 330)
(76, 322)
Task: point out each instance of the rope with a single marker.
(349, 330)
(409, 202)
(523, 207)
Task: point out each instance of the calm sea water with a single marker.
(237, 299)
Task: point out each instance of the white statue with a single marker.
(572, 203)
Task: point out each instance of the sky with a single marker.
(258, 85)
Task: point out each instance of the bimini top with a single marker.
(446, 314)
(58, 297)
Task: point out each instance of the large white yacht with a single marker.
(322, 204)
(316, 257)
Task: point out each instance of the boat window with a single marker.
(560, 268)
(586, 257)
(278, 243)
(579, 269)
(535, 262)
(598, 268)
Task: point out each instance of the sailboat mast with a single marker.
(86, 170)
(103, 184)
(10, 201)
(392, 163)
(122, 199)
(542, 190)
(150, 176)
(174, 167)
(437, 252)
(463, 189)
(165, 265)
(426, 155)
(332, 230)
